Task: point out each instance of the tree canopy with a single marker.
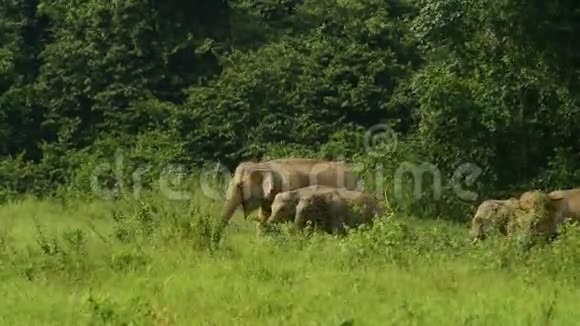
(493, 83)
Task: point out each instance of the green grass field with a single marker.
(157, 262)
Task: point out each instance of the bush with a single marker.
(16, 177)
(111, 168)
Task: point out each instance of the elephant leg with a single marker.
(334, 225)
(265, 212)
(337, 221)
(300, 221)
(339, 229)
(271, 220)
(335, 218)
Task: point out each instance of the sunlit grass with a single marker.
(162, 263)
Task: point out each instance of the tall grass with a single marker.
(151, 261)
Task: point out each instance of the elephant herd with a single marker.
(534, 212)
(330, 196)
(326, 193)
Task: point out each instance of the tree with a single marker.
(498, 86)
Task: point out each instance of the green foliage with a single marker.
(175, 268)
(561, 171)
(177, 83)
(22, 36)
(15, 177)
(323, 82)
(107, 56)
(494, 74)
(105, 311)
(109, 168)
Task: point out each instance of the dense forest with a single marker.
(493, 83)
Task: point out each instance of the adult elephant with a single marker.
(567, 203)
(255, 184)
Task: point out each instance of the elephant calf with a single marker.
(333, 210)
(535, 213)
(492, 212)
(285, 203)
(326, 207)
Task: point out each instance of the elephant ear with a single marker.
(268, 185)
(556, 195)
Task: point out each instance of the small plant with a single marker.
(104, 311)
(75, 240)
(129, 260)
(563, 256)
(386, 239)
(48, 246)
(139, 221)
(206, 234)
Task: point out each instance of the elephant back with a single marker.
(299, 173)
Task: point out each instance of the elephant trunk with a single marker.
(475, 232)
(233, 200)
